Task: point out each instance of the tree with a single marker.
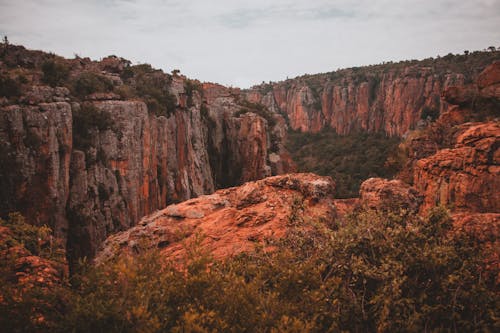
(5, 40)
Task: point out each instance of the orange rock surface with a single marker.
(232, 220)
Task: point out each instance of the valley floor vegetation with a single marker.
(372, 272)
(349, 159)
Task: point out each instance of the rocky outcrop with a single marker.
(466, 176)
(466, 173)
(229, 221)
(383, 194)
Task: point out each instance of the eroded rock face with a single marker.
(486, 87)
(36, 149)
(490, 76)
(466, 176)
(392, 102)
(139, 165)
(383, 194)
(229, 221)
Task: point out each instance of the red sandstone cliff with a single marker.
(149, 157)
(388, 98)
(466, 173)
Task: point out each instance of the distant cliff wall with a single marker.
(391, 98)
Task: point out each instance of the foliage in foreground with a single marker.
(375, 272)
(349, 159)
(28, 303)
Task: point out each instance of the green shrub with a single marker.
(127, 73)
(190, 86)
(11, 176)
(9, 87)
(88, 83)
(54, 73)
(152, 87)
(23, 234)
(28, 306)
(375, 272)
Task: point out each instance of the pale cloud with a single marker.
(244, 42)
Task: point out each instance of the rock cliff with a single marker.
(466, 172)
(390, 98)
(122, 142)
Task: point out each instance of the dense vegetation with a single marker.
(28, 303)
(89, 83)
(374, 272)
(349, 159)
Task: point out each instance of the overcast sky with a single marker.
(242, 43)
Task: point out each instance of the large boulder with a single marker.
(229, 221)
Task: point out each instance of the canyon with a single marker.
(461, 173)
(173, 202)
(95, 152)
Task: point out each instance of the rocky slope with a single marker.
(120, 143)
(390, 98)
